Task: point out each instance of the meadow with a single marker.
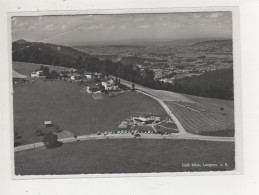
(63, 103)
(27, 68)
(126, 156)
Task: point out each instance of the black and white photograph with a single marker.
(122, 93)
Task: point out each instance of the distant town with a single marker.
(171, 61)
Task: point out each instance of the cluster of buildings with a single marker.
(148, 123)
(87, 75)
(141, 119)
(106, 84)
(145, 118)
(95, 82)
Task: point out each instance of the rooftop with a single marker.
(146, 115)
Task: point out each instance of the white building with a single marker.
(146, 119)
(76, 77)
(109, 85)
(88, 75)
(37, 74)
(165, 80)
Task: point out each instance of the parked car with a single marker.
(137, 135)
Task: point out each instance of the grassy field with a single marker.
(63, 103)
(125, 156)
(204, 114)
(162, 94)
(27, 68)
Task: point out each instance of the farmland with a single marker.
(125, 156)
(204, 114)
(63, 103)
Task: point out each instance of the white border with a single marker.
(237, 79)
(195, 185)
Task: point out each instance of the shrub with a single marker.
(221, 108)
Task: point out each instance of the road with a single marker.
(127, 136)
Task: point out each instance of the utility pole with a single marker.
(226, 121)
(90, 122)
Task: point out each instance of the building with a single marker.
(92, 88)
(98, 75)
(76, 77)
(146, 118)
(109, 85)
(165, 80)
(48, 124)
(88, 75)
(123, 125)
(37, 73)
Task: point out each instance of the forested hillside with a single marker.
(215, 84)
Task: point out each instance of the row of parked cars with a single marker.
(133, 132)
(119, 132)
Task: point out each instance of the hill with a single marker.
(224, 46)
(45, 53)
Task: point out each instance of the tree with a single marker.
(45, 70)
(133, 86)
(148, 78)
(50, 140)
(79, 62)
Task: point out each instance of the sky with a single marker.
(80, 30)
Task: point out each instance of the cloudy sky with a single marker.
(121, 29)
